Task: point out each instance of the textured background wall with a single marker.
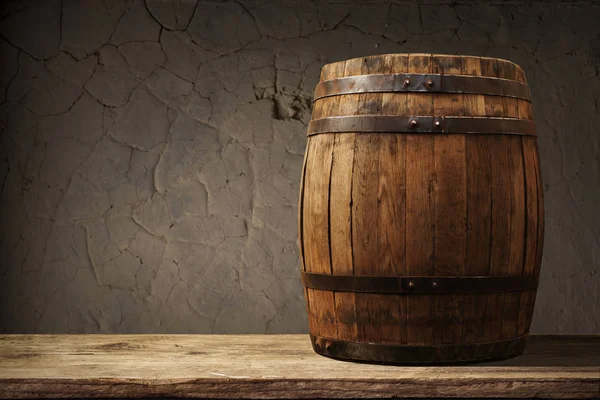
(151, 152)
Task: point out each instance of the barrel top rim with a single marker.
(425, 54)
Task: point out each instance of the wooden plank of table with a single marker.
(276, 366)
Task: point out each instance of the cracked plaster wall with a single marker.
(151, 152)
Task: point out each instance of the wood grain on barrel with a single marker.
(309, 310)
(300, 210)
(420, 201)
(517, 234)
(339, 198)
(499, 207)
(384, 316)
(532, 225)
(364, 190)
(328, 105)
(479, 202)
(317, 215)
(519, 75)
(316, 202)
(532, 222)
(391, 192)
(493, 104)
(316, 112)
(514, 264)
(316, 229)
(340, 228)
(500, 230)
(391, 196)
(370, 308)
(450, 199)
(340, 211)
(509, 104)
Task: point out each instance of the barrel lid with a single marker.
(449, 64)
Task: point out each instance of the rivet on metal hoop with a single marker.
(406, 82)
(434, 284)
(413, 122)
(437, 122)
(429, 82)
(411, 285)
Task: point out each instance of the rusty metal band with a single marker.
(434, 83)
(419, 354)
(421, 124)
(419, 284)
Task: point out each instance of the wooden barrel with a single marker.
(421, 212)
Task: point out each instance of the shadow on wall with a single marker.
(151, 153)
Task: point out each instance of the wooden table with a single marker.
(275, 366)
